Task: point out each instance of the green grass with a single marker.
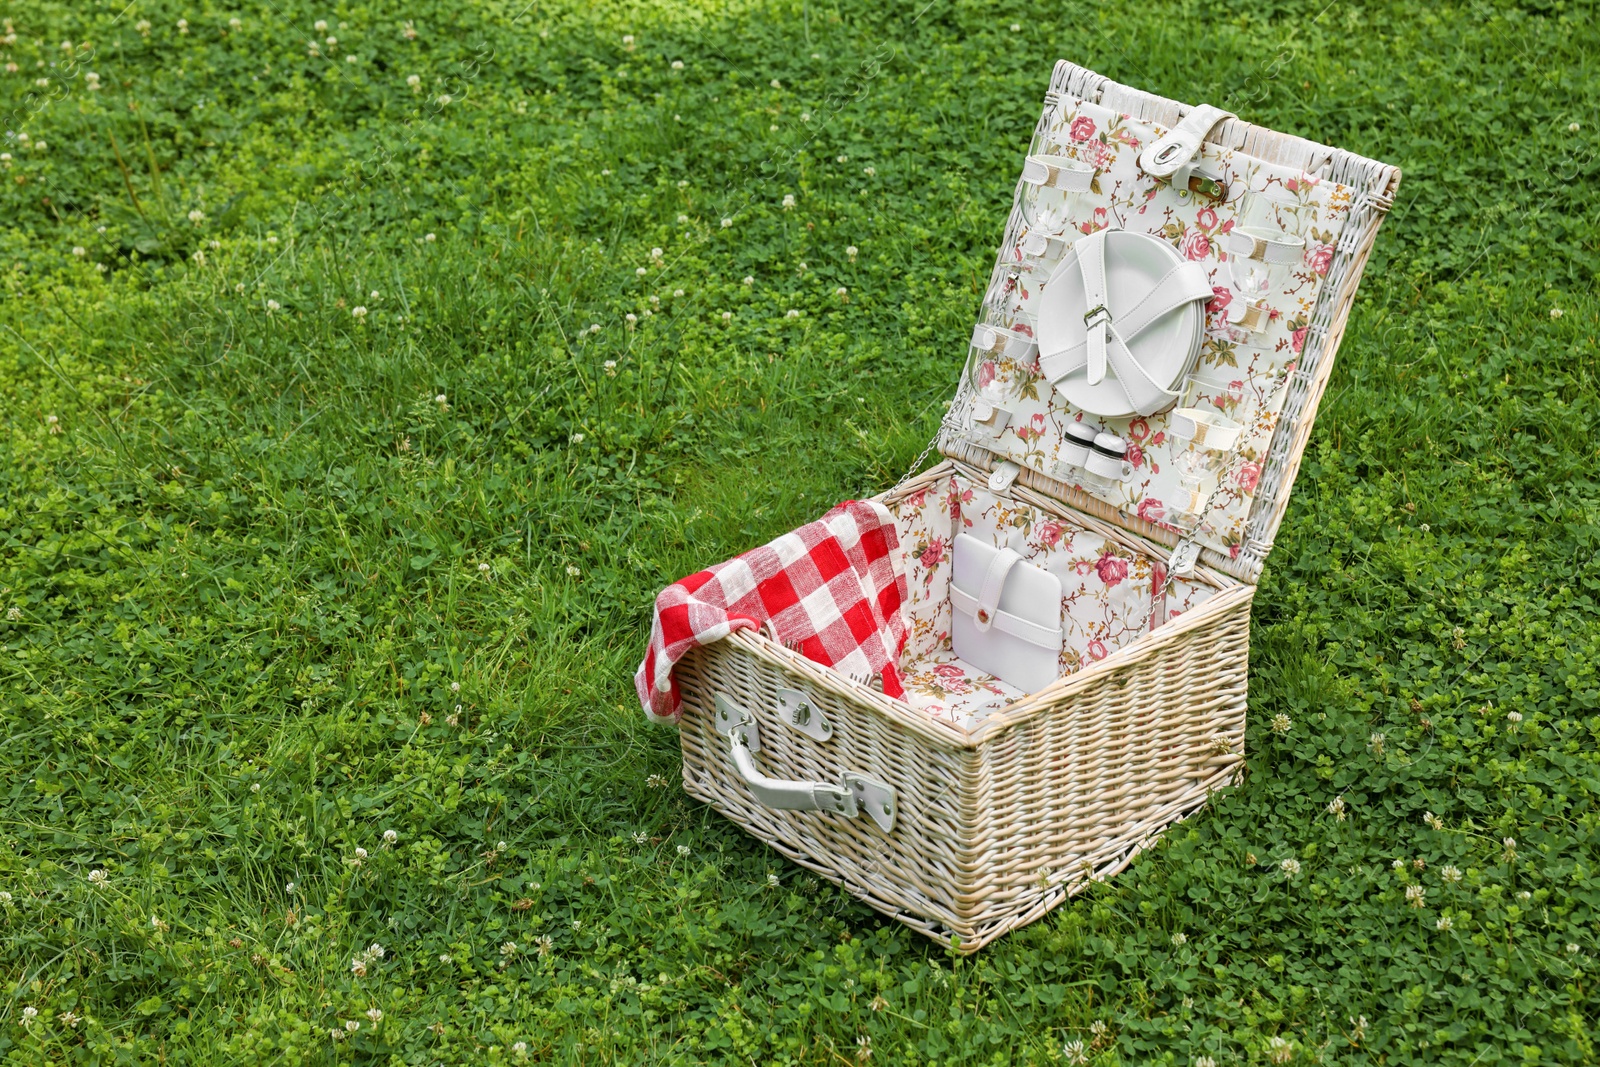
(242, 551)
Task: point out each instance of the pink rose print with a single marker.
(917, 499)
(1297, 340)
(1096, 154)
(949, 678)
(1226, 227)
(1221, 297)
(1138, 429)
(1161, 435)
(1135, 456)
(1152, 510)
(1248, 476)
(1050, 533)
(1112, 569)
(1195, 245)
(1082, 128)
(986, 373)
(1033, 431)
(1206, 219)
(933, 555)
(1320, 258)
(1097, 223)
(1097, 649)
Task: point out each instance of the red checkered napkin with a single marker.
(836, 587)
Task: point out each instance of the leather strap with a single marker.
(1058, 172)
(999, 341)
(1183, 283)
(1042, 245)
(1097, 319)
(1005, 622)
(987, 605)
(1162, 158)
(1278, 251)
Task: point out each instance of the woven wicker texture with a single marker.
(998, 825)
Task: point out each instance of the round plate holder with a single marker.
(1167, 348)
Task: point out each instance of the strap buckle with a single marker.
(1099, 315)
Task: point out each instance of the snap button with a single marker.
(983, 616)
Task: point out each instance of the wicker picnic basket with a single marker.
(968, 824)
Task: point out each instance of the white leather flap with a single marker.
(1006, 614)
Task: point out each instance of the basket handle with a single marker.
(855, 794)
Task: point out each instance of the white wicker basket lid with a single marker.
(1266, 348)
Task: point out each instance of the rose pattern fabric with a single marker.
(1123, 196)
(1105, 591)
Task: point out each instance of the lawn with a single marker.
(364, 379)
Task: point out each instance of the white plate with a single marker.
(1166, 348)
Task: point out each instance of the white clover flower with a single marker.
(255, 787)
(1290, 866)
(656, 781)
(577, 924)
(390, 837)
(289, 888)
(428, 237)
(321, 25)
(98, 877)
(1444, 923)
(641, 838)
(79, 251)
(415, 81)
(183, 25)
(1510, 845)
(749, 279)
(199, 257)
(143, 26)
(792, 313)
(683, 850)
(726, 222)
(234, 23)
(273, 305)
(1433, 821)
(1375, 743)
(870, 172)
(611, 368)
(375, 1014)
(683, 220)
(656, 253)
(727, 316)
(788, 202)
(841, 291)
(441, 400)
(29, 1014)
(444, 958)
(359, 312)
(508, 949)
(1451, 874)
(91, 81)
(483, 568)
(1279, 1050)
(69, 1019)
(1281, 723)
(1016, 27)
(1414, 895)
(677, 64)
(573, 570)
(455, 687)
(627, 41)
(336, 1034)
(1075, 1052)
(352, 1025)
(1572, 949)
(1513, 717)
(1398, 865)
(1204, 1061)
(805, 116)
(773, 881)
(851, 251)
(5, 897)
(1336, 807)
(545, 944)
(445, 99)
(361, 853)
(1573, 127)
(801, 266)
(1180, 938)
(352, 58)
(1556, 313)
(630, 318)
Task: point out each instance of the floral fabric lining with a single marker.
(1105, 604)
(1249, 370)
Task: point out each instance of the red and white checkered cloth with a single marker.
(836, 586)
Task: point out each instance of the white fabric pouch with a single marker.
(1005, 615)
